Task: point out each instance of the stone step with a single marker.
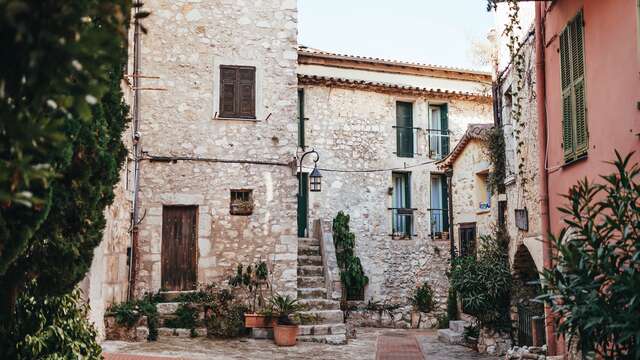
(167, 332)
(449, 336)
(313, 260)
(323, 317)
(310, 270)
(340, 339)
(167, 308)
(322, 329)
(310, 281)
(172, 295)
(458, 325)
(312, 293)
(320, 304)
(308, 242)
(313, 250)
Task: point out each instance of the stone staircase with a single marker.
(166, 311)
(453, 335)
(326, 322)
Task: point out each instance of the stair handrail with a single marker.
(322, 230)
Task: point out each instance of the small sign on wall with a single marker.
(522, 219)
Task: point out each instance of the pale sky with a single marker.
(438, 32)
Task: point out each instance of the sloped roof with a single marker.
(304, 50)
(474, 132)
(390, 88)
(310, 56)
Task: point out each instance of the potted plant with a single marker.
(285, 331)
(255, 283)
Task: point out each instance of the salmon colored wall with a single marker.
(612, 86)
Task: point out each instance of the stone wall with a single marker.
(465, 182)
(353, 132)
(523, 182)
(186, 43)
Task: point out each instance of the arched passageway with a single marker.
(525, 310)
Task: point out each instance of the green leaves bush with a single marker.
(423, 298)
(351, 272)
(484, 284)
(50, 327)
(594, 286)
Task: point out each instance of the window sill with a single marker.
(574, 161)
(483, 211)
(403, 237)
(216, 118)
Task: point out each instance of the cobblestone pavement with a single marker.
(379, 344)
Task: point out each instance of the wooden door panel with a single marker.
(179, 252)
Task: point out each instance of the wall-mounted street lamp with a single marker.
(316, 179)
(315, 176)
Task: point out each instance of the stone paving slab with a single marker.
(436, 350)
(398, 346)
(370, 344)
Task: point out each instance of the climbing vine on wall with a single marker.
(511, 30)
(351, 272)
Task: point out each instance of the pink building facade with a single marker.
(611, 86)
(589, 97)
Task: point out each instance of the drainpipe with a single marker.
(135, 139)
(449, 185)
(547, 254)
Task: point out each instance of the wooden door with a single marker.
(468, 239)
(179, 254)
(303, 205)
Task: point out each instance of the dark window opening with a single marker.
(405, 132)
(241, 202)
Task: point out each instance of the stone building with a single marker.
(217, 89)
(379, 126)
(471, 196)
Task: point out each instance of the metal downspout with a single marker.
(547, 254)
(135, 139)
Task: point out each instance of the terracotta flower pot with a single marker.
(285, 335)
(257, 321)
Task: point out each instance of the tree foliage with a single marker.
(60, 137)
(594, 286)
(351, 271)
(484, 284)
(51, 327)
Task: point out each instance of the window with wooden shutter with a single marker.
(237, 92)
(575, 135)
(404, 129)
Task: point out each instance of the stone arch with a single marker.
(526, 287)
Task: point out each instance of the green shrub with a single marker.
(51, 327)
(228, 323)
(351, 272)
(422, 299)
(471, 333)
(129, 312)
(484, 284)
(443, 321)
(186, 317)
(594, 286)
(452, 305)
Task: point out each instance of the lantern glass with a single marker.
(316, 180)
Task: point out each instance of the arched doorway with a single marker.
(527, 313)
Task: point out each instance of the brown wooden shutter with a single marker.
(228, 86)
(246, 92)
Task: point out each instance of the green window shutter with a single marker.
(404, 129)
(445, 203)
(575, 139)
(577, 67)
(444, 121)
(301, 118)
